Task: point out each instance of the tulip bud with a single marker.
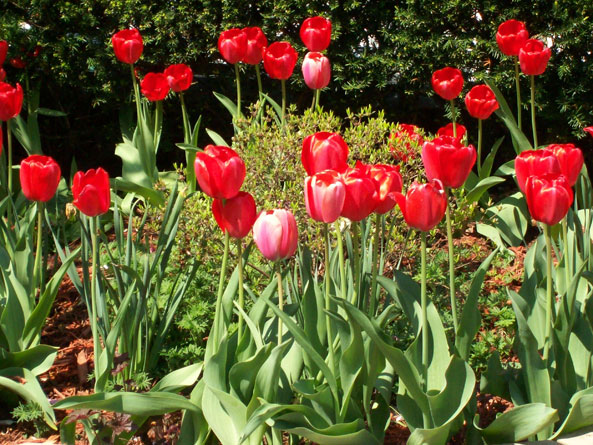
(388, 182)
(220, 171)
(155, 86)
(315, 33)
(276, 235)
(511, 36)
(324, 151)
(570, 159)
(481, 102)
(256, 45)
(280, 59)
(127, 45)
(447, 82)
(235, 215)
(3, 51)
(324, 196)
(447, 130)
(424, 205)
(588, 130)
(91, 192)
(361, 194)
(11, 101)
(446, 159)
(40, 176)
(535, 162)
(316, 71)
(548, 197)
(533, 57)
(179, 77)
(232, 45)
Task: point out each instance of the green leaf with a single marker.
(154, 196)
(580, 414)
(489, 161)
(178, 379)
(216, 138)
(518, 424)
(511, 218)
(137, 404)
(37, 359)
(227, 103)
(50, 112)
(481, 187)
(188, 147)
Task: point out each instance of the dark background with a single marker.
(382, 52)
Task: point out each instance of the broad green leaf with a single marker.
(216, 138)
(511, 217)
(481, 187)
(188, 147)
(580, 414)
(489, 161)
(37, 359)
(178, 379)
(227, 103)
(154, 196)
(518, 424)
(51, 113)
(225, 414)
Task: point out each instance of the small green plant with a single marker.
(31, 415)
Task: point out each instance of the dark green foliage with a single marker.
(382, 53)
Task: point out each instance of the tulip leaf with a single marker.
(178, 379)
(227, 103)
(188, 147)
(518, 424)
(481, 187)
(216, 138)
(511, 218)
(580, 414)
(50, 112)
(489, 161)
(154, 196)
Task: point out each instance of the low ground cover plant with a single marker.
(318, 331)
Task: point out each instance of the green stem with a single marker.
(241, 290)
(424, 323)
(94, 264)
(158, 118)
(259, 86)
(549, 301)
(218, 313)
(533, 112)
(9, 154)
(518, 87)
(283, 101)
(327, 280)
(451, 267)
(190, 156)
(342, 261)
(480, 148)
(39, 250)
(375, 268)
(136, 95)
(317, 95)
(567, 268)
(356, 254)
(238, 81)
(280, 302)
(454, 117)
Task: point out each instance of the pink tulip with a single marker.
(275, 233)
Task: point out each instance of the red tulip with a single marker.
(280, 59)
(2, 74)
(481, 102)
(316, 71)
(423, 206)
(235, 215)
(232, 45)
(219, 171)
(447, 82)
(570, 159)
(324, 151)
(409, 136)
(447, 130)
(179, 77)
(511, 36)
(535, 162)
(155, 86)
(388, 182)
(324, 196)
(533, 57)
(446, 159)
(316, 33)
(256, 45)
(361, 194)
(127, 45)
(276, 235)
(589, 130)
(40, 176)
(11, 101)
(548, 197)
(18, 63)
(91, 191)
(3, 51)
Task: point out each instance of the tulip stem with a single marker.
(567, 268)
(342, 262)
(190, 156)
(549, 302)
(39, 251)
(423, 320)
(158, 122)
(241, 290)
(480, 148)
(518, 87)
(137, 96)
(451, 266)
(218, 314)
(259, 86)
(9, 154)
(317, 96)
(454, 117)
(376, 248)
(93, 315)
(238, 81)
(327, 280)
(356, 255)
(283, 82)
(533, 111)
(280, 302)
